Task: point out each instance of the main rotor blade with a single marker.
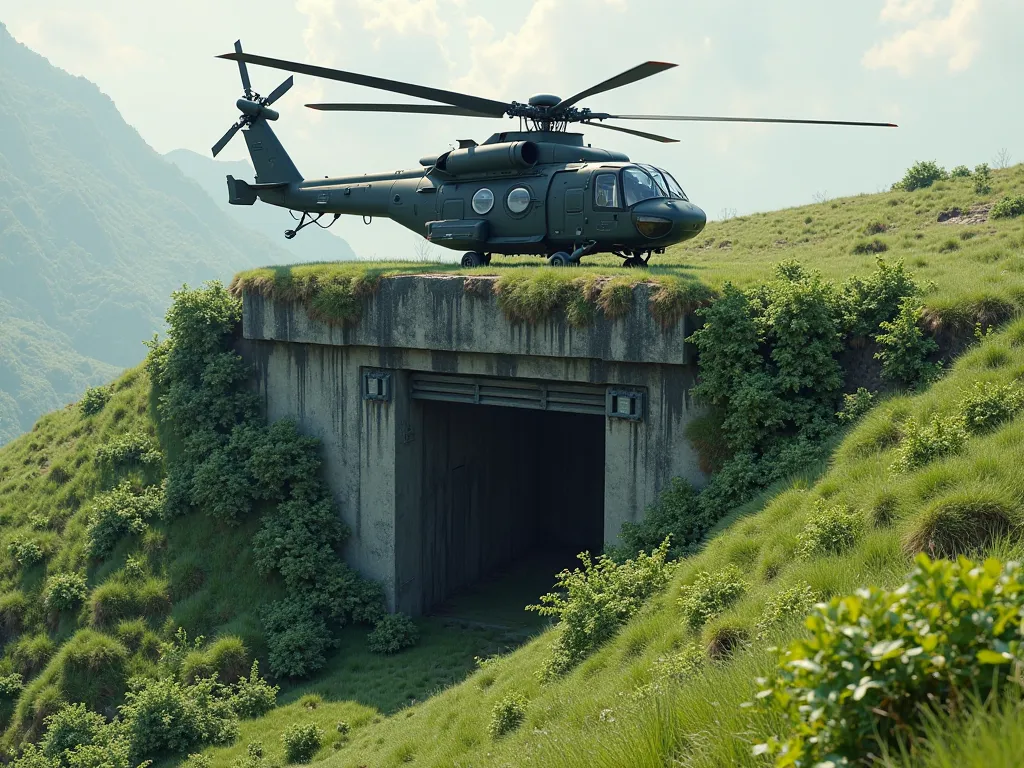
(226, 138)
(419, 109)
(703, 119)
(243, 71)
(641, 134)
(629, 76)
(473, 103)
(280, 91)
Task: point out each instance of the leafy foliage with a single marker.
(121, 512)
(302, 741)
(920, 175)
(856, 682)
(987, 405)
(393, 633)
(942, 436)
(904, 347)
(783, 606)
(856, 405)
(508, 714)
(592, 602)
(253, 696)
(64, 591)
(1008, 207)
(130, 448)
(710, 594)
(830, 530)
(94, 399)
(960, 172)
(982, 179)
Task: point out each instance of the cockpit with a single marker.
(639, 182)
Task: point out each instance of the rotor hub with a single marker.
(544, 100)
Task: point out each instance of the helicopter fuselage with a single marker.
(525, 192)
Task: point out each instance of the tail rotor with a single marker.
(253, 106)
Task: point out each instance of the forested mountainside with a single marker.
(314, 245)
(96, 230)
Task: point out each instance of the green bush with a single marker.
(675, 514)
(226, 659)
(26, 551)
(592, 602)
(904, 348)
(297, 637)
(921, 175)
(301, 742)
(507, 714)
(166, 716)
(942, 436)
(121, 512)
(64, 591)
(856, 682)
(830, 530)
(71, 726)
(783, 606)
(856, 405)
(11, 685)
(987, 405)
(710, 594)
(1009, 207)
(393, 633)
(253, 696)
(94, 399)
(864, 247)
(982, 179)
(960, 172)
(130, 448)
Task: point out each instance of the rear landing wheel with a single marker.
(472, 259)
(559, 259)
(634, 262)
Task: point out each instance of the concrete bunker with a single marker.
(457, 442)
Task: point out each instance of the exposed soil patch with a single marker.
(978, 214)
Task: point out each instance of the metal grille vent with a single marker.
(512, 393)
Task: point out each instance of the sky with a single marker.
(947, 71)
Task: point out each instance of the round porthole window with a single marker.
(518, 199)
(483, 201)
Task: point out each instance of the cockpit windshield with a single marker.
(638, 186)
(669, 186)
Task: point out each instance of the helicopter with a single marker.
(538, 190)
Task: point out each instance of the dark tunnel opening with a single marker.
(502, 486)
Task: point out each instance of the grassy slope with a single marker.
(975, 271)
(588, 717)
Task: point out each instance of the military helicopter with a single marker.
(539, 190)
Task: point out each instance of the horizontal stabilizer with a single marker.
(240, 193)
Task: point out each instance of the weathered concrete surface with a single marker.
(421, 485)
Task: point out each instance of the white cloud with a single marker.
(952, 37)
(81, 36)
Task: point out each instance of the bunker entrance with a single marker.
(503, 487)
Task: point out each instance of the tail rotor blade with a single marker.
(243, 71)
(278, 92)
(226, 138)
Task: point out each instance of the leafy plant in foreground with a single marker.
(508, 714)
(857, 682)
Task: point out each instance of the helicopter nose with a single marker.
(663, 219)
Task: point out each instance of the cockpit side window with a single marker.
(606, 191)
(638, 186)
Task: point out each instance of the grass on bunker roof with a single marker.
(972, 265)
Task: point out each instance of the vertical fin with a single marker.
(269, 158)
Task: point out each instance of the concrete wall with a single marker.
(374, 451)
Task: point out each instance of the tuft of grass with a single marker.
(961, 523)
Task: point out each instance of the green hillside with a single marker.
(96, 230)
(164, 502)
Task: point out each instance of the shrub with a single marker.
(226, 659)
(1009, 207)
(253, 696)
(960, 172)
(64, 591)
(869, 301)
(11, 685)
(198, 760)
(961, 523)
(942, 436)
(166, 716)
(856, 682)
(129, 448)
(674, 514)
(783, 606)
(507, 714)
(393, 633)
(905, 349)
(921, 175)
(865, 247)
(94, 399)
(982, 179)
(710, 595)
(829, 531)
(26, 551)
(672, 670)
(301, 742)
(71, 726)
(297, 637)
(592, 602)
(856, 405)
(118, 513)
(987, 405)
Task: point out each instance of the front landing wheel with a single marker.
(472, 259)
(559, 259)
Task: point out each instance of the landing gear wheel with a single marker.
(487, 259)
(472, 259)
(634, 262)
(559, 259)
